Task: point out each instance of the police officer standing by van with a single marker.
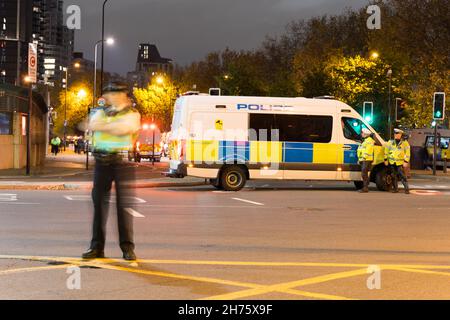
(114, 129)
(365, 157)
(397, 154)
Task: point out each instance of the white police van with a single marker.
(231, 139)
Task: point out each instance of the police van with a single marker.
(232, 139)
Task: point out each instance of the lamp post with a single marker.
(30, 106)
(102, 42)
(109, 41)
(389, 75)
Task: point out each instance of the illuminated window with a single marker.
(24, 125)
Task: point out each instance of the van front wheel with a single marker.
(233, 178)
(383, 179)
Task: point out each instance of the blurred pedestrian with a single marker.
(114, 128)
(55, 143)
(365, 157)
(397, 156)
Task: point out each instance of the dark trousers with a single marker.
(366, 166)
(398, 172)
(105, 173)
(55, 149)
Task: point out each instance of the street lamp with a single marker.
(102, 42)
(110, 42)
(375, 55)
(389, 75)
(81, 94)
(160, 80)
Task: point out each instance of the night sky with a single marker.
(186, 30)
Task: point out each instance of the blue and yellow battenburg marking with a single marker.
(270, 152)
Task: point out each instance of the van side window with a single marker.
(261, 126)
(305, 128)
(292, 128)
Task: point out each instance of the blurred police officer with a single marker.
(114, 129)
(397, 154)
(365, 157)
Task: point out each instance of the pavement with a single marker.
(67, 171)
(277, 240)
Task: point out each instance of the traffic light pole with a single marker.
(435, 149)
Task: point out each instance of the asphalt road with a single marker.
(269, 241)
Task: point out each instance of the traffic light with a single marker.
(439, 106)
(368, 112)
(400, 109)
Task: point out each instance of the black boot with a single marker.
(93, 254)
(129, 255)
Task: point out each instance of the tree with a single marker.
(156, 102)
(79, 99)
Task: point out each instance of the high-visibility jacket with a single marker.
(56, 141)
(366, 149)
(107, 143)
(397, 152)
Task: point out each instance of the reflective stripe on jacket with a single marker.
(366, 150)
(109, 143)
(397, 153)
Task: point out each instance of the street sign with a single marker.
(439, 106)
(32, 62)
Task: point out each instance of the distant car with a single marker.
(144, 151)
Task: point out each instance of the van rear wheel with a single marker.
(233, 178)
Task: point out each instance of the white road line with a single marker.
(8, 197)
(248, 201)
(19, 203)
(112, 200)
(134, 213)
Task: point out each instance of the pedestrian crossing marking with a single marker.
(135, 200)
(134, 213)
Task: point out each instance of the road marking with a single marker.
(112, 200)
(252, 288)
(426, 192)
(33, 269)
(287, 285)
(134, 213)
(8, 197)
(422, 271)
(248, 201)
(200, 207)
(19, 203)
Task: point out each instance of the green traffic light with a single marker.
(438, 114)
(368, 119)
